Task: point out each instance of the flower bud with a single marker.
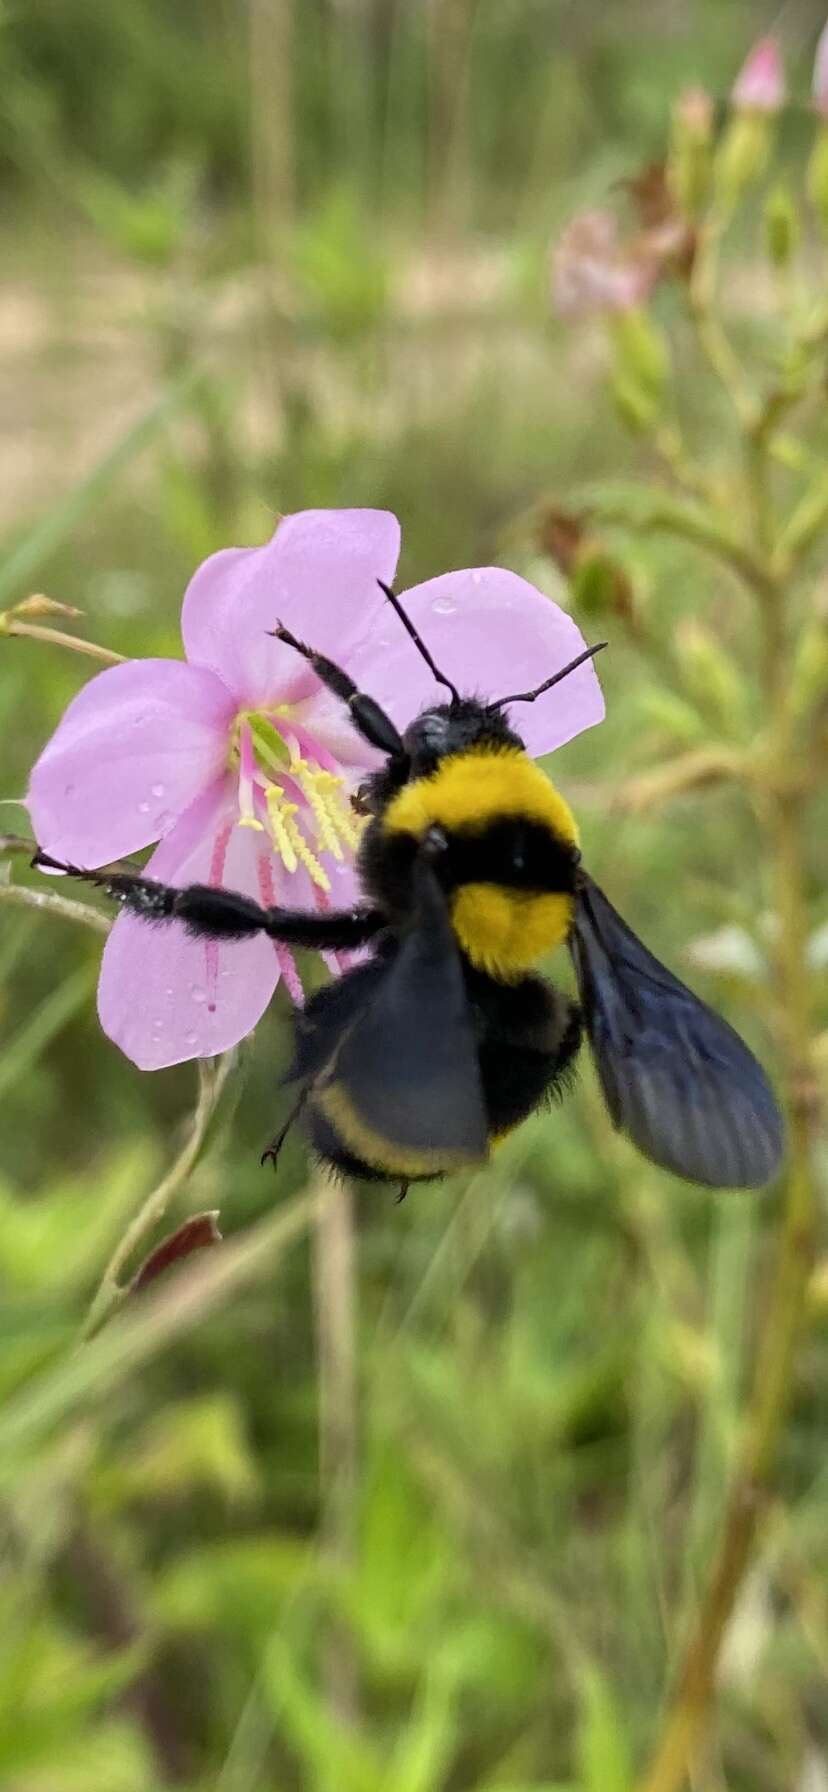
(640, 353)
(676, 721)
(760, 83)
(757, 94)
(741, 156)
(816, 178)
(41, 605)
(819, 87)
(710, 675)
(781, 225)
(600, 585)
(690, 155)
(635, 408)
(809, 674)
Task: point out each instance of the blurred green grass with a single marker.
(257, 258)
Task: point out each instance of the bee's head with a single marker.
(446, 728)
(454, 728)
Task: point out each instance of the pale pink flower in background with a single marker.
(241, 764)
(820, 77)
(760, 83)
(593, 272)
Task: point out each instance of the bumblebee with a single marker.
(418, 1061)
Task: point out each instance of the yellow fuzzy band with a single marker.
(469, 790)
(505, 931)
(379, 1153)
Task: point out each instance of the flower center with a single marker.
(289, 789)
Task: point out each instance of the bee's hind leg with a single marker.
(271, 1151)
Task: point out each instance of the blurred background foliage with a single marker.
(257, 257)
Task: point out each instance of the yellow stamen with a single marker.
(279, 814)
(288, 839)
(309, 783)
(323, 791)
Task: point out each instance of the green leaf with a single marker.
(339, 1759)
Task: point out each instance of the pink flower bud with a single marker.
(760, 84)
(820, 78)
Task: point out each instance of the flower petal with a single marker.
(164, 997)
(133, 749)
(491, 632)
(318, 574)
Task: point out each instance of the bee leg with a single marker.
(402, 1192)
(369, 720)
(271, 1151)
(209, 912)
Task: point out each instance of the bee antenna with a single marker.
(419, 643)
(529, 696)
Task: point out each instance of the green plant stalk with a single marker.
(112, 1292)
(57, 637)
(335, 1313)
(781, 815)
(20, 896)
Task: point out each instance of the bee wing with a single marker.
(407, 1072)
(676, 1078)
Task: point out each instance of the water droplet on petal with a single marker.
(158, 790)
(143, 808)
(169, 993)
(198, 994)
(191, 1039)
(477, 577)
(211, 1007)
(444, 606)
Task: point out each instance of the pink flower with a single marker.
(820, 77)
(592, 272)
(240, 763)
(760, 83)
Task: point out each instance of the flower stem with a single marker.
(57, 637)
(782, 820)
(335, 1302)
(20, 896)
(112, 1292)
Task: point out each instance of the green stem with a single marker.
(57, 637)
(111, 1293)
(20, 896)
(783, 821)
(335, 1300)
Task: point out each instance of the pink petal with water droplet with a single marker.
(492, 633)
(318, 574)
(164, 997)
(135, 747)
